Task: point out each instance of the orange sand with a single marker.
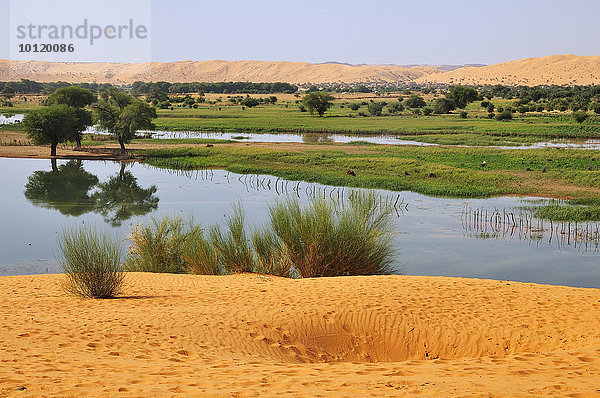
(250, 335)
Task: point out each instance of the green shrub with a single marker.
(271, 258)
(160, 246)
(200, 256)
(92, 263)
(327, 239)
(234, 248)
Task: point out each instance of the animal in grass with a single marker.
(483, 164)
(351, 173)
(209, 145)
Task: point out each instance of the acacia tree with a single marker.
(318, 101)
(122, 115)
(52, 125)
(462, 95)
(78, 98)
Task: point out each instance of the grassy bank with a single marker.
(454, 172)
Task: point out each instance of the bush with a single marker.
(395, 107)
(200, 256)
(92, 263)
(443, 105)
(234, 247)
(579, 116)
(161, 246)
(376, 108)
(354, 106)
(463, 114)
(327, 239)
(504, 115)
(414, 101)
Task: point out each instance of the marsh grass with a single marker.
(234, 247)
(332, 239)
(200, 256)
(323, 238)
(92, 263)
(160, 246)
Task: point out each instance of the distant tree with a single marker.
(506, 114)
(78, 98)
(462, 95)
(490, 108)
(250, 102)
(318, 101)
(122, 115)
(52, 125)
(375, 108)
(272, 99)
(395, 107)
(8, 92)
(156, 95)
(463, 114)
(312, 89)
(414, 101)
(427, 111)
(580, 116)
(354, 106)
(443, 105)
(74, 96)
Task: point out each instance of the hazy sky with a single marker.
(374, 31)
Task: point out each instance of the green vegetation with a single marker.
(123, 115)
(577, 210)
(53, 125)
(160, 246)
(77, 98)
(325, 238)
(91, 262)
(333, 239)
(455, 172)
(318, 101)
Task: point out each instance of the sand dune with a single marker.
(208, 71)
(249, 335)
(556, 69)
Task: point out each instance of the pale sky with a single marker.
(373, 32)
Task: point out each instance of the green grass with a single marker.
(450, 129)
(454, 172)
(277, 118)
(578, 210)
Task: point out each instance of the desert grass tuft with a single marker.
(160, 246)
(332, 239)
(92, 263)
(234, 247)
(200, 256)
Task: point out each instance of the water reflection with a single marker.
(73, 191)
(66, 188)
(121, 198)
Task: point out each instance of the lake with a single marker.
(432, 236)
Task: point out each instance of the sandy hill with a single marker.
(556, 69)
(209, 71)
(253, 335)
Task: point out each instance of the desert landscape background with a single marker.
(556, 69)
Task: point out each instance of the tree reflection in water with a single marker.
(73, 191)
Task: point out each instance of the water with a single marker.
(11, 119)
(37, 203)
(382, 139)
